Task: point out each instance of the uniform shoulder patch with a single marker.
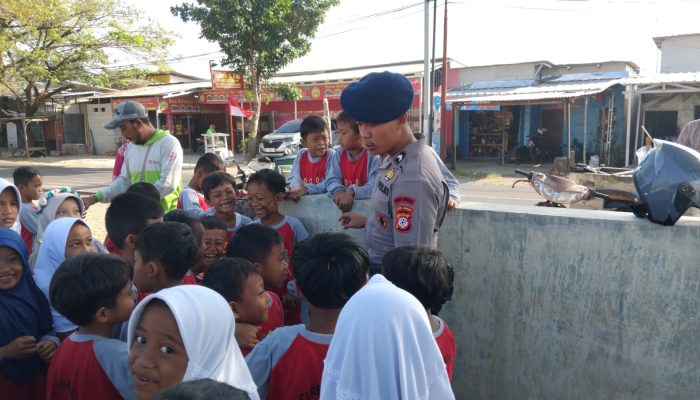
(404, 218)
(400, 157)
(403, 213)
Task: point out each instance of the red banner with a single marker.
(226, 80)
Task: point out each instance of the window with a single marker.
(662, 124)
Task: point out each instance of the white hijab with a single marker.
(50, 256)
(383, 348)
(48, 215)
(207, 328)
(4, 184)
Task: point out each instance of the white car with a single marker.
(286, 140)
(283, 141)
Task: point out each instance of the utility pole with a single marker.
(443, 93)
(427, 90)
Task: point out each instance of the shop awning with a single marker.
(528, 90)
(163, 91)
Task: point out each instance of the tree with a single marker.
(47, 46)
(258, 37)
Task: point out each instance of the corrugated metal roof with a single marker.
(349, 75)
(158, 90)
(676, 77)
(545, 91)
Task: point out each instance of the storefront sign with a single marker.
(150, 103)
(330, 90)
(220, 96)
(226, 80)
(480, 107)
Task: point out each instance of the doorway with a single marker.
(553, 121)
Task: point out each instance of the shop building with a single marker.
(559, 108)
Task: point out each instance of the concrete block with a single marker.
(564, 303)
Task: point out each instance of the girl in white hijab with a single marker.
(181, 334)
(383, 348)
(10, 206)
(63, 238)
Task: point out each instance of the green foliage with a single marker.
(258, 37)
(287, 91)
(48, 45)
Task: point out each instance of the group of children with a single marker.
(186, 295)
(347, 173)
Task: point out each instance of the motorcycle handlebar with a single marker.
(524, 173)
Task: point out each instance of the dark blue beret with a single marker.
(378, 97)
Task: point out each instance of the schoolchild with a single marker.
(181, 334)
(288, 364)
(404, 359)
(94, 292)
(55, 204)
(191, 198)
(126, 217)
(163, 253)
(144, 188)
(10, 203)
(26, 340)
(353, 169)
(219, 188)
(311, 165)
(262, 246)
(241, 284)
(64, 238)
(202, 389)
(30, 184)
(190, 219)
(266, 189)
(214, 245)
(426, 274)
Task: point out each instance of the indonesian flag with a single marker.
(237, 110)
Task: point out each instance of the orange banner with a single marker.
(150, 103)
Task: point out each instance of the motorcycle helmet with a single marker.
(668, 181)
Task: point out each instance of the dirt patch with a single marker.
(96, 220)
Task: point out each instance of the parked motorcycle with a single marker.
(668, 181)
(560, 192)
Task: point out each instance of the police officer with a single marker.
(410, 195)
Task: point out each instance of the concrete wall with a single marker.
(684, 103)
(680, 54)
(104, 139)
(564, 303)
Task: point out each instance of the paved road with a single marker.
(91, 179)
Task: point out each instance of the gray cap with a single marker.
(127, 111)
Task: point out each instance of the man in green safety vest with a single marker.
(153, 156)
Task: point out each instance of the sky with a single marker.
(480, 32)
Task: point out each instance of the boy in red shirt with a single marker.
(163, 254)
(262, 246)
(288, 363)
(220, 190)
(353, 168)
(266, 189)
(190, 219)
(94, 292)
(214, 244)
(191, 197)
(426, 274)
(126, 216)
(311, 165)
(241, 284)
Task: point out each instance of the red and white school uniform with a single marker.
(288, 364)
